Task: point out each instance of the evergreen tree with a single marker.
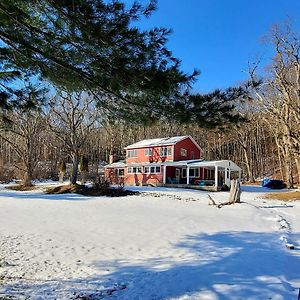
(94, 45)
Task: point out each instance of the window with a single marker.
(131, 153)
(183, 152)
(134, 170)
(183, 173)
(194, 172)
(119, 172)
(148, 152)
(192, 155)
(152, 170)
(165, 151)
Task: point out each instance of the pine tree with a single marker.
(94, 46)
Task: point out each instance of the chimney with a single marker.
(111, 159)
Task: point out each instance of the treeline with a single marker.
(69, 127)
(251, 145)
(94, 83)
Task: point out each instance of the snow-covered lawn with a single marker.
(162, 244)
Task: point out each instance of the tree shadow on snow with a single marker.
(41, 195)
(227, 265)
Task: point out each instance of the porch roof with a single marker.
(206, 164)
(117, 164)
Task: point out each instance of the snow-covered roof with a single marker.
(117, 164)
(159, 142)
(220, 163)
(206, 164)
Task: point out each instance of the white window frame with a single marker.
(192, 155)
(134, 170)
(165, 151)
(183, 152)
(118, 171)
(152, 169)
(132, 153)
(148, 152)
(196, 172)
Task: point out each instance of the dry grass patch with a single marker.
(285, 196)
(21, 188)
(90, 191)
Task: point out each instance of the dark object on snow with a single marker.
(273, 184)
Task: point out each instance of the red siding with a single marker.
(155, 158)
(112, 178)
(190, 147)
(143, 179)
(133, 179)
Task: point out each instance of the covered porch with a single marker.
(200, 174)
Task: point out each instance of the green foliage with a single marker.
(62, 166)
(92, 45)
(215, 109)
(83, 164)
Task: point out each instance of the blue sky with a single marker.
(219, 37)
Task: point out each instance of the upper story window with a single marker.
(165, 151)
(148, 152)
(131, 153)
(192, 155)
(183, 152)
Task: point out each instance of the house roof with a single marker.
(117, 164)
(160, 142)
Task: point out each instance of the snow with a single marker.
(157, 142)
(162, 244)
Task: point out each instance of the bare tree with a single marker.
(24, 134)
(71, 118)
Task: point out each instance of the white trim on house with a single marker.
(227, 165)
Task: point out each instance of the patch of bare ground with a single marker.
(90, 191)
(21, 188)
(287, 196)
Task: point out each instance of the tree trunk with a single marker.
(288, 172)
(247, 162)
(83, 177)
(75, 168)
(235, 192)
(298, 168)
(61, 177)
(27, 180)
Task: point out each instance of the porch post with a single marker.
(164, 173)
(187, 174)
(216, 176)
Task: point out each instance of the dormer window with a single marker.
(165, 151)
(148, 152)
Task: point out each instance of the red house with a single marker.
(175, 160)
